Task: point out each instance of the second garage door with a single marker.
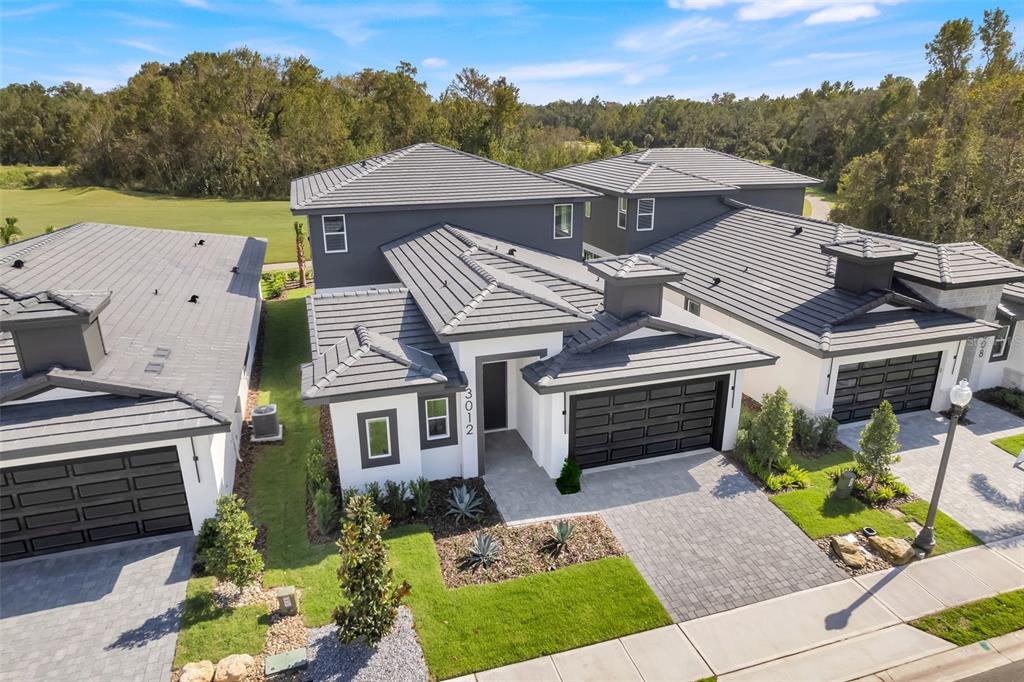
(76, 503)
(649, 421)
(907, 382)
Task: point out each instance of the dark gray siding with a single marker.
(601, 230)
(788, 199)
(671, 215)
(528, 224)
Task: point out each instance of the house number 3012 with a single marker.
(469, 411)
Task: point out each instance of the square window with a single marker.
(563, 221)
(378, 437)
(693, 307)
(437, 418)
(623, 205)
(335, 234)
(645, 215)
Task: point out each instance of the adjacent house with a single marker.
(1005, 364)
(124, 362)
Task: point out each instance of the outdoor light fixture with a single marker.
(959, 396)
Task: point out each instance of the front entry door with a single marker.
(495, 396)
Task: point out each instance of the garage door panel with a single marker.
(658, 420)
(91, 501)
(907, 382)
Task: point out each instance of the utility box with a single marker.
(287, 600)
(265, 427)
(844, 485)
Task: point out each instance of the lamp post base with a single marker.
(925, 540)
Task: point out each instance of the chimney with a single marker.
(862, 264)
(56, 328)
(634, 284)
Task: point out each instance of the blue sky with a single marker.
(621, 51)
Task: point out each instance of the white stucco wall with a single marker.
(344, 421)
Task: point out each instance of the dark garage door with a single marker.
(636, 423)
(907, 382)
(75, 503)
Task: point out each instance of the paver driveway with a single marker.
(703, 536)
(108, 613)
(982, 490)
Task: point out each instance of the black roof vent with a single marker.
(18, 264)
(201, 242)
(363, 163)
(194, 298)
(716, 281)
(511, 252)
(156, 292)
(797, 230)
(234, 269)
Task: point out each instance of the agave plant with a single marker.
(464, 504)
(560, 534)
(483, 550)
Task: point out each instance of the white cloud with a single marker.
(435, 62)
(842, 13)
(141, 22)
(144, 46)
(199, 4)
(30, 10)
(675, 36)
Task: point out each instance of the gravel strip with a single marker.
(397, 657)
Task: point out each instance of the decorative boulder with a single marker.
(201, 671)
(232, 668)
(894, 550)
(849, 552)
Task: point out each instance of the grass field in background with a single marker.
(35, 209)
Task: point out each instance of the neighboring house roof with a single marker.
(677, 171)
(628, 176)
(370, 343)
(172, 367)
(1014, 291)
(471, 286)
(426, 174)
(642, 348)
(766, 267)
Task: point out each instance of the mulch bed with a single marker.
(875, 562)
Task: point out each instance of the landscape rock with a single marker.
(232, 668)
(849, 552)
(895, 550)
(200, 671)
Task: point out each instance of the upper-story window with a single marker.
(586, 210)
(563, 221)
(1001, 342)
(623, 204)
(644, 215)
(335, 234)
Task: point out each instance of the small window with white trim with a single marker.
(1001, 342)
(586, 210)
(644, 215)
(378, 437)
(623, 206)
(335, 234)
(563, 221)
(436, 412)
(692, 307)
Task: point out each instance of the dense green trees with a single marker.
(941, 159)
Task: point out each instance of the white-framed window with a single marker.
(586, 210)
(436, 412)
(335, 234)
(692, 307)
(378, 437)
(563, 221)
(623, 207)
(1001, 342)
(644, 215)
(589, 255)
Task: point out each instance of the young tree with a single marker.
(878, 444)
(232, 555)
(300, 250)
(772, 431)
(367, 580)
(9, 231)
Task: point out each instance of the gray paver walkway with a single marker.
(982, 490)
(703, 536)
(98, 614)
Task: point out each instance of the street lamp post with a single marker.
(959, 396)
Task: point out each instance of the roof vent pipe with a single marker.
(193, 298)
(18, 264)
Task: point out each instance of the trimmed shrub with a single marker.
(325, 508)
(346, 495)
(772, 431)
(421, 490)
(805, 431)
(273, 284)
(828, 433)
(568, 482)
(878, 444)
(316, 470)
(395, 502)
(372, 491)
(232, 554)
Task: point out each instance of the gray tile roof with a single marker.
(471, 286)
(373, 342)
(630, 176)
(678, 170)
(607, 353)
(865, 249)
(425, 174)
(179, 362)
(767, 268)
(16, 309)
(635, 267)
(1014, 291)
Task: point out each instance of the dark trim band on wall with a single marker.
(482, 360)
(453, 433)
(364, 446)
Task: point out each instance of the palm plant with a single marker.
(9, 231)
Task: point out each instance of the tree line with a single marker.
(940, 159)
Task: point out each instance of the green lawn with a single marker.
(35, 209)
(978, 620)
(210, 633)
(1012, 444)
(819, 514)
(807, 208)
(484, 626)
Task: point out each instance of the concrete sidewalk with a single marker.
(843, 631)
